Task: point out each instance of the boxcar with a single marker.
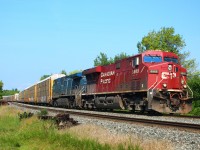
(40, 92)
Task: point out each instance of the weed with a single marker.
(43, 112)
(25, 115)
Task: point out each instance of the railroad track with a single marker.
(116, 118)
(164, 115)
(183, 116)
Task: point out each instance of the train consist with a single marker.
(150, 81)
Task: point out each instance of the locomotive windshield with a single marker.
(152, 59)
(170, 59)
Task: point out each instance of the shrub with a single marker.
(25, 115)
(43, 112)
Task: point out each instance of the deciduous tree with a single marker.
(44, 77)
(63, 72)
(120, 56)
(1, 89)
(165, 39)
(194, 83)
(103, 59)
(10, 92)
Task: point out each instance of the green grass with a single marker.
(8, 128)
(43, 112)
(35, 134)
(195, 111)
(39, 135)
(196, 108)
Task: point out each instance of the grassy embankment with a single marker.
(32, 133)
(195, 108)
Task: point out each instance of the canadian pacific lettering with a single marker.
(105, 81)
(107, 74)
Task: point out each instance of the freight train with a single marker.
(151, 81)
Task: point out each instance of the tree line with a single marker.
(6, 92)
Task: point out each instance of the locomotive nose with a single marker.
(170, 76)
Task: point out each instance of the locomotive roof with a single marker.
(159, 52)
(76, 75)
(93, 70)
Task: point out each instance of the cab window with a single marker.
(170, 59)
(150, 59)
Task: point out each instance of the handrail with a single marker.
(157, 84)
(188, 87)
(80, 91)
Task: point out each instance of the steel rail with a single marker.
(183, 116)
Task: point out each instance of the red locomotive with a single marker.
(150, 81)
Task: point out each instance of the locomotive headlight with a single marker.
(182, 81)
(184, 86)
(164, 85)
(169, 67)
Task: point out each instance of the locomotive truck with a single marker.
(151, 81)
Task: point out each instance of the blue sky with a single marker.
(46, 36)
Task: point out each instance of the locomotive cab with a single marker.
(167, 87)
